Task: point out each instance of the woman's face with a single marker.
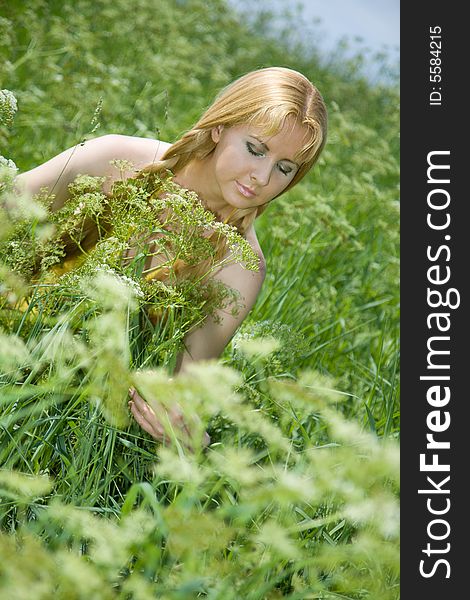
(251, 168)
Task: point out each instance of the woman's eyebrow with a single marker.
(267, 149)
(261, 142)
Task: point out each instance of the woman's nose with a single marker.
(261, 174)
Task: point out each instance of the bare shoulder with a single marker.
(139, 151)
(93, 157)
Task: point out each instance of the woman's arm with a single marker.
(209, 340)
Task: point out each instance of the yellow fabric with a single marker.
(67, 265)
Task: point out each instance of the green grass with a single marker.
(297, 495)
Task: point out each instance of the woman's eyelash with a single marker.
(251, 150)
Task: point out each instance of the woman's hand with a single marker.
(150, 422)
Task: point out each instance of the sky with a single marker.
(376, 22)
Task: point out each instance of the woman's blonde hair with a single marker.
(264, 98)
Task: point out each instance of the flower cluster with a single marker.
(282, 356)
(148, 230)
(8, 163)
(8, 107)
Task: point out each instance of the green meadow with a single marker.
(297, 495)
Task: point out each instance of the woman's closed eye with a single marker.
(284, 169)
(252, 150)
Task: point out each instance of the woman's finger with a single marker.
(151, 426)
(173, 415)
(148, 420)
(145, 410)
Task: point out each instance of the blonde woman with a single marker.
(260, 136)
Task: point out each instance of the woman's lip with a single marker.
(245, 191)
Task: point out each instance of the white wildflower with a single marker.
(275, 537)
(13, 353)
(379, 510)
(8, 163)
(133, 285)
(23, 485)
(257, 347)
(109, 290)
(180, 468)
(237, 464)
(8, 107)
(79, 208)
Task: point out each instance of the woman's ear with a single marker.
(215, 133)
